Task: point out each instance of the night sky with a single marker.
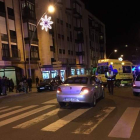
(122, 21)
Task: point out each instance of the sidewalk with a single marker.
(11, 94)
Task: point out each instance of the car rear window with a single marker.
(138, 78)
(76, 80)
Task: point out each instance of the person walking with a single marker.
(37, 81)
(29, 81)
(11, 85)
(25, 86)
(110, 80)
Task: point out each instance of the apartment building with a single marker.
(77, 39)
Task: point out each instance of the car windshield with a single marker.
(138, 78)
(76, 80)
(102, 69)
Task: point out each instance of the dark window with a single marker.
(12, 33)
(63, 51)
(61, 22)
(59, 36)
(69, 52)
(57, 20)
(76, 80)
(63, 37)
(52, 49)
(68, 38)
(126, 69)
(2, 7)
(5, 50)
(32, 29)
(11, 12)
(67, 24)
(34, 52)
(60, 51)
(14, 51)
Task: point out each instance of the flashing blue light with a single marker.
(133, 69)
(139, 68)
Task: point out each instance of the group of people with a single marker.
(6, 84)
(25, 85)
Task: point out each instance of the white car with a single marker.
(136, 86)
(80, 89)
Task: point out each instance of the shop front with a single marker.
(77, 71)
(48, 73)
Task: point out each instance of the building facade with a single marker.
(77, 39)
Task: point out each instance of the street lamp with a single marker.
(112, 53)
(45, 22)
(122, 55)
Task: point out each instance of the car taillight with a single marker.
(84, 91)
(59, 90)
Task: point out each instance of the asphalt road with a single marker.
(37, 116)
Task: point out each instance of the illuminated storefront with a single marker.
(77, 71)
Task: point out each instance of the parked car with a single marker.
(136, 86)
(80, 89)
(48, 84)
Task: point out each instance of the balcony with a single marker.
(78, 29)
(15, 55)
(4, 37)
(80, 53)
(77, 14)
(34, 41)
(14, 39)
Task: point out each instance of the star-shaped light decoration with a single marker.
(46, 23)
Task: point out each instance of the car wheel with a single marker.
(93, 103)
(103, 94)
(62, 104)
(135, 93)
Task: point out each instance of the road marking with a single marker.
(124, 126)
(54, 101)
(37, 120)
(3, 107)
(13, 119)
(89, 126)
(17, 111)
(65, 120)
(8, 109)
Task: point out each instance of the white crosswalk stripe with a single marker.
(53, 101)
(17, 111)
(38, 119)
(89, 126)
(65, 120)
(18, 117)
(3, 107)
(125, 125)
(8, 109)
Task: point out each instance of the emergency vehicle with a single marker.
(122, 69)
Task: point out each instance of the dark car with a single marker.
(48, 84)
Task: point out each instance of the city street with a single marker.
(36, 116)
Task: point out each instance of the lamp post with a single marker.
(45, 22)
(112, 53)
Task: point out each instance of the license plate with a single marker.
(42, 88)
(71, 99)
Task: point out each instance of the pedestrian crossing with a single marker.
(123, 128)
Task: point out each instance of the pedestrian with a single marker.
(25, 86)
(4, 84)
(11, 85)
(110, 80)
(29, 80)
(37, 81)
(0, 85)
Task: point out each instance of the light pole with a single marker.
(45, 22)
(112, 53)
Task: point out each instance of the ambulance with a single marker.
(122, 69)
